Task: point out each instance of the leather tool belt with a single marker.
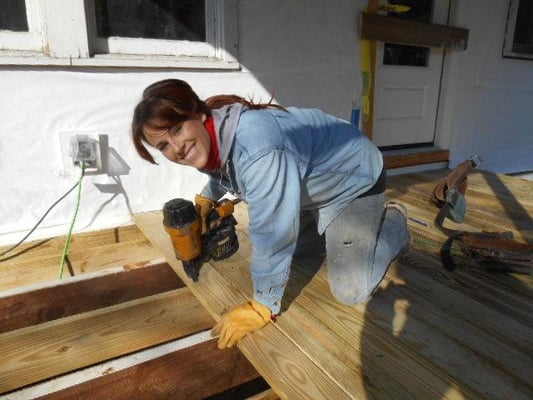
(496, 251)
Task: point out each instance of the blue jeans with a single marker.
(361, 243)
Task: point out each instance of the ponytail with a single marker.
(222, 100)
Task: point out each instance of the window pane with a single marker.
(523, 34)
(399, 54)
(420, 10)
(13, 16)
(151, 19)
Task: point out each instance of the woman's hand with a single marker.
(239, 322)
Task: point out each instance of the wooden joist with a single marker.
(39, 261)
(119, 330)
(194, 373)
(63, 298)
(31, 354)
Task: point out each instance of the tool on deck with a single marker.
(496, 250)
(449, 194)
(183, 223)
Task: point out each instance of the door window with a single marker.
(400, 54)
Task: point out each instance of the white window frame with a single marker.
(33, 40)
(67, 37)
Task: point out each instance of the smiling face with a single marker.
(187, 143)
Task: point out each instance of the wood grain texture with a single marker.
(193, 373)
(281, 362)
(35, 353)
(72, 296)
(415, 158)
(413, 33)
(39, 261)
(266, 395)
(426, 332)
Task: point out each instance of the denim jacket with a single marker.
(279, 163)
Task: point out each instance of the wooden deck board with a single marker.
(276, 357)
(426, 333)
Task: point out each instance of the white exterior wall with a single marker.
(304, 53)
(488, 99)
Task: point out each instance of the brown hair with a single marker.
(169, 102)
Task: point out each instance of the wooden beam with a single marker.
(415, 33)
(31, 354)
(196, 372)
(399, 160)
(63, 298)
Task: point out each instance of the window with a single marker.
(402, 54)
(142, 33)
(167, 19)
(14, 18)
(519, 34)
(20, 25)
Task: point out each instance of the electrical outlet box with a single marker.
(78, 148)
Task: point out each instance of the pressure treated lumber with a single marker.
(39, 352)
(193, 373)
(62, 298)
(426, 332)
(393, 160)
(316, 294)
(332, 339)
(39, 261)
(281, 362)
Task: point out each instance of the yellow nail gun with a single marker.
(184, 225)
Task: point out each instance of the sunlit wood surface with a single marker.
(427, 333)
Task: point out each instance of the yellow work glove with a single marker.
(239, 322)
(204, 205)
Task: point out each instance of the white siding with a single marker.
(304, 53)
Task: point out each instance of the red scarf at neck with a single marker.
(213, 162)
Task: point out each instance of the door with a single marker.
(407, 82)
